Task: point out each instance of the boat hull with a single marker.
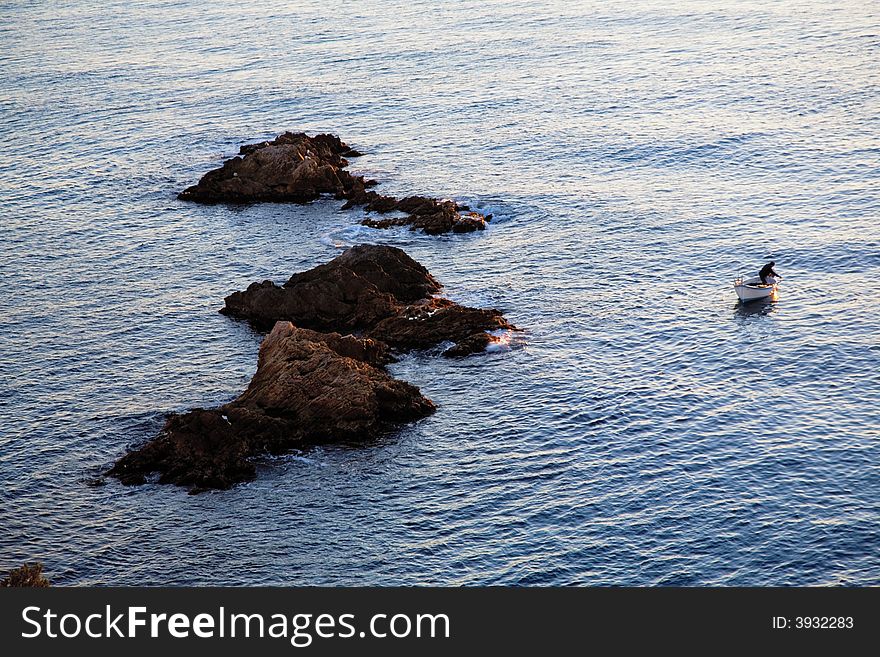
(753, 290)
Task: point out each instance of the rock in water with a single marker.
(28, 575)
(297, 168)
(433, 321)
(428, 214)
(376, 290)
(309, 388)
(292, 168)
(353, 291)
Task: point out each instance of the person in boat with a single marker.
(767, 271)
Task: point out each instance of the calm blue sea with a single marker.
(637, 156)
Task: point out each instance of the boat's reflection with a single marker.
(759, 307)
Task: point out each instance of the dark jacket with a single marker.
(767, 270)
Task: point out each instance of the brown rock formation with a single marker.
(28, 575)
(376, 290)
(297, 168)
(427, 214)
(433, 321)
(309, 387)
(292, 168)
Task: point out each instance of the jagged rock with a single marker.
(352, 292)
(378, 291)
(428, 214)
(433, 321)
(27, 575)
(297, 168)
(470, 345)
(292, 168)
(309, 388)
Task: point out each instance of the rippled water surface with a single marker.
(636, 157)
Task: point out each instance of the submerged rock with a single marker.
(309, 388)
(378, 291)
(297, 168)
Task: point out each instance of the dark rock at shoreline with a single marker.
(27, 575)
(376, 290)
(296, 168)
(309, 388)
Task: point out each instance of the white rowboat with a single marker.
(751, 289)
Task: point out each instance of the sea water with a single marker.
(636, 156)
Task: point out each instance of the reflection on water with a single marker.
(757, 307)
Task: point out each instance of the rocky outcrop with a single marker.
(320, 373)
(297, 168)
(420, 213)
(377, 291)
(434, 321)
(309, 388)
(28, 575)
(352, 292)
(292, 168)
